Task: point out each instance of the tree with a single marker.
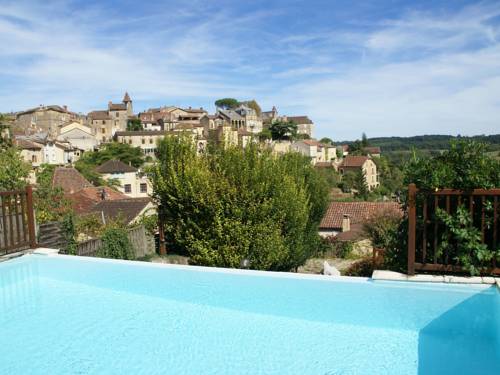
(326, 140)
(110, 151)
(49, 201)
(255, 106)
(364, 141)
(227, 103)
(235, 204)
(5, 141)
(281, 130)
(13, 169)
(134, 124)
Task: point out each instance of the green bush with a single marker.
(116, 245)
(231, 204)
(332, 247)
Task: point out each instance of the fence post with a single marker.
(31, 216)
(412, 227)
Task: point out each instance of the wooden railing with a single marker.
(425, 230)
(17, 221)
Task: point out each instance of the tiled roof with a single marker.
(27, 144)
(115, 166)
(141, 133)
(323, 164)
(128, 208)
(299, 119)
(353, 161)
(357, 211)
(69, 179)
(85, 199)
(99, 115)
(372, 150)
(117, 107)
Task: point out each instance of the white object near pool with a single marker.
(73, 315)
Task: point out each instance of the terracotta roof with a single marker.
(126, 98)
(99, 115)
(56, 108)
(324, 164)
(141, 133)
(356, 233)
(85, 199)
(128, 208)
(353, 161)
(69, 179)
(117, 106)
(357, 211)
(27, 145)
(115, 166)
(299, 119)
(313, 142)
(372, 150)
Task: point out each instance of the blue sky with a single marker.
(380, 67)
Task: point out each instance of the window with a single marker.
(150, 140)
(33, 159)
(143, 141)
(117, 114)
(130, 141)
(103, 130)
(103, 122)
(144, 188)
(127, 188)
(104, 139)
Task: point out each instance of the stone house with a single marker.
(78, 135)
(41, 149)
(317, 151)
(363, 163)
(130, 181)
(252, 121)
(304, 124)
(46, 119)
(348, 217)
(105, 123)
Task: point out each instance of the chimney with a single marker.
(65, 108)
(346, 223)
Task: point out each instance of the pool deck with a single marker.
(381, 275)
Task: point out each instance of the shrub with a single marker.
(382, 227)
(362, 268)
(332, 247)
(115, 244)
(231, 204)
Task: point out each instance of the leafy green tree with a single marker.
(255, 106)
(326, 141)
(364, 141)
(50, 203)
(134, 125)
(13, 169)
(233, 204)
(283, 130)
(227, 103)
(391, 176)
(110, 151)
(466, 165)
(116, 244)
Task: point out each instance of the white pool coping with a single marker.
(378, 275)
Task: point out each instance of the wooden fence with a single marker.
(426, 232)
(138, 238)
(17, 221)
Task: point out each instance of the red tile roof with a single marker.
(84, 200)
(353, 161)
(69, 179)
(128, 208)
(99, 115)
(115, 166)
(357, 211)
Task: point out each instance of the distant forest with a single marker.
(429, 142)
(399, 149)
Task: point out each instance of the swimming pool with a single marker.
(74, 315)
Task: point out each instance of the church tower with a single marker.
(128, 102)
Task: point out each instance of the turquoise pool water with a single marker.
(72, 315)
